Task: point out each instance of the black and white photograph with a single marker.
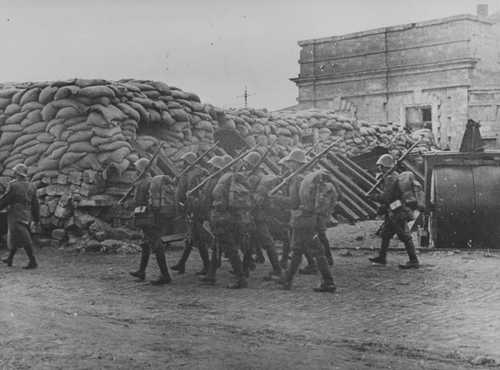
(268, 184)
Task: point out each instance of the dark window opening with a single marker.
(418, 117)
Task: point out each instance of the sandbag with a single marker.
(30, 96)
(142, 111)
(8, 93)
(4, 103)
(69, 158)
(57, 153)
(66, 92)
(81, 147)
(16, 118)
(9, 137)
(35, 148)
(67, 112)
(110, 113)
(94, 92)
(129, 111)
(119, 154)
(108, 147)
(38, 127)
(47, 95)
(23, 139)
(31, 106)
(55, 127)
(45, 138)
(48, 164)
(79, 136)
(32, 117)
(317, 193)
(89, 161)
(11, 128)
(96, 119)
(106, 132)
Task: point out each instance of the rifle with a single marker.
(262, 159)
(148, 167)
(302, 168)
(219, 171)
(198, 160)
(390, 170)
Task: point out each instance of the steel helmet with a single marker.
(386, 161)
(296, 155)
(188, 157)
(252, 158)
(141, 164)
(21, 169)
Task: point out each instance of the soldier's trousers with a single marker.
(396, 224)
(264, 239)
(228, 234)
(306, 240)
(152, 243)
(197, 241)
(19, 235)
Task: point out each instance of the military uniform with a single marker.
(22, 208)
(262, 234)
(231, 226)
(395, 221)
(152, 233)
(305, 224)
(192, 211)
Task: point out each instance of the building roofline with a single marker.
(401, 27)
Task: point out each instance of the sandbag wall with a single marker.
(287, 129)
(79, 138)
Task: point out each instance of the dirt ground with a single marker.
(85, 312)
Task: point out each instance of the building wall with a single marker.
(444, 64)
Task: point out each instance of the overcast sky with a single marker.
(213, 48)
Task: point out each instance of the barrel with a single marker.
(466, 206)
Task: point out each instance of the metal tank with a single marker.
(463, 195)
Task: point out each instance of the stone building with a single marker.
(440, 72)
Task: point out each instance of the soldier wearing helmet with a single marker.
(261, 236)
(190, 208)
(22, 208)
(151, 226)
(396, 215)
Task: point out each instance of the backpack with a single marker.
(162, 195)
(412, 194)
(239, 196)
(318, 194)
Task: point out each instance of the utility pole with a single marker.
(245, 96)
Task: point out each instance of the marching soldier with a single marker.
(151, 222)
(261, 234)
(304, 220)
(231, 220)
(396, 217)
(22, 208)
(193, 215)
(205, 199)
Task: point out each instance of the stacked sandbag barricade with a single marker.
(80, 137)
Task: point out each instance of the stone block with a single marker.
(58, 234)
(62, 179)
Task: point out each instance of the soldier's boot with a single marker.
(180, 266)
(326, 246)
(327, 284)
(205, 259)
(141, 273)
(287, 277)
(273, 258)
(259, 256)
(8, 260)
(241, 281)
(164, 274)
(311, 268)
(212, 269)
(32, 261)
(381, 259)
(412, 254)
(285, 255)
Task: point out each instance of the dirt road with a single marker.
(85, 312)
